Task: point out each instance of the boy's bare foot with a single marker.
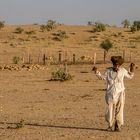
(117, 127)
(110, 128)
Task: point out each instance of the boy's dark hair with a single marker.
(117, 60)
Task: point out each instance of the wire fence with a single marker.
(27, 56)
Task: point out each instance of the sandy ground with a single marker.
(72, 110)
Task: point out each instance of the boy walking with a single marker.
(115, 92)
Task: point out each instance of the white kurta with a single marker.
(115, 95)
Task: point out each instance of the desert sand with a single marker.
(69, 110)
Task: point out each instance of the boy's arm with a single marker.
(130, 74)
(98, 74)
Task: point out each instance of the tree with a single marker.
(135, 26)
(106, 45)
(2, 24)
(126, 23)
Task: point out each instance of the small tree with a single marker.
(2, 24)
(106, 45)
(135, 26)
(126, 23)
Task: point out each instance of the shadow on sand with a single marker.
(52, 126)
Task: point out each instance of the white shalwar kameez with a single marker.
(115, 94)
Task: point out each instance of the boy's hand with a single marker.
(132, 65)
(95, 69)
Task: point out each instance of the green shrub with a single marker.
(43, 28)
(20, 124)
(19, 30)
(99, 27)
(106, 45)
(61, 75)
(59, 35)
(16, 60)
(135, 26)
(49, 26)
(30, 32)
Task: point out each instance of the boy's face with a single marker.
(116, 67)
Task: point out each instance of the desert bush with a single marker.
(19, 30)
(2, 24)
(99, 27)
(30, 32)
(49, 26)
(16, 60)
(43, 28)
(126, 23)
(135, 26)
(59, 35)
(61, 75)
(21, 124)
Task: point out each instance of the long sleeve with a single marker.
(128, 74)
(102, 76)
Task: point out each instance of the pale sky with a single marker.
(74, 12)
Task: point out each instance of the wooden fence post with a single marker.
(94, 61)
(29, 58)
(65, 62)
(130, 56)
(60, 58)
(38, 60)
(23, 59)
(44, 59)
(124, 55)
(105, 54)
(73, 58)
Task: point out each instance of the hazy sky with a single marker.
(69, 11)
